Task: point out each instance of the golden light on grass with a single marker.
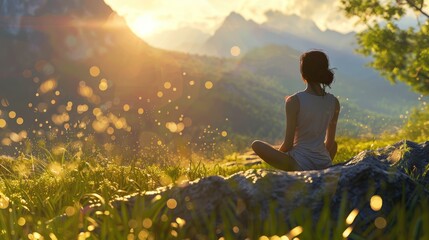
(70, 211)
(84, 235)
(235, 51)
(103, 86)
(143, 234)
(147, 223)
(12, 114)
(380, 222)
(180, 221)
(2, 123)
(171, 203)
(208, 85)
(351, 217)
(55, 168)
(140, 111)
(192, 82)
(21, 221)
(224, 133)
(347, 232)
(4, 202)
(159, 94)
(376, 203)
(94, 71)
(167, 85)
(35, 236)
(52, 236)
(295, 232)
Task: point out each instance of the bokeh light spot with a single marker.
(4, 202)
(47, 86)
(167, 85)
(21, 221)
(94, 71)
(12, 114)
(126, 107)
(20, 121)
(103, 86)
(2, 123)
(208, 85)
(171, 203)
(147, 223)
(376, 202)
(235, 51)
(380, 222)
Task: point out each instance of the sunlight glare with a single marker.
(144, 25)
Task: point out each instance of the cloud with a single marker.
(207, 15)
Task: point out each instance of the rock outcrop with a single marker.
(394, 173)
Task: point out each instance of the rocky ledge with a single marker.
(395, 173)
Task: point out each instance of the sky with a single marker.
(148, 17)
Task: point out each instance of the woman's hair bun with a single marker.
(327, 77)
(315, 68)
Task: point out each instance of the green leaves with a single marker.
(398, 54)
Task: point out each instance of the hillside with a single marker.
(73, 72)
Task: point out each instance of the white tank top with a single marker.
(314, 116)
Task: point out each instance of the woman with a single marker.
(311, 121)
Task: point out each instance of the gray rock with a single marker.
(391, 172)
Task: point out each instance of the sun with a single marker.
(144, 26)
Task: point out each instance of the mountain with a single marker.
(72, 73)
(279, 29)
(307, 29)
(245, 34)
(272, 49)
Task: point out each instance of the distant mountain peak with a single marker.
(234, 16)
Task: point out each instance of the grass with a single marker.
(44, 198)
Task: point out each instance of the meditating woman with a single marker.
(311, 121)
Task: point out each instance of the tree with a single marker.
(399, 54)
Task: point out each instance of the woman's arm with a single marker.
(330, 143)
(292, 109)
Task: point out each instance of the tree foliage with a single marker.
(399, 54)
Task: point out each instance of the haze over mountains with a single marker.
(291, 35)
(74, 70)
